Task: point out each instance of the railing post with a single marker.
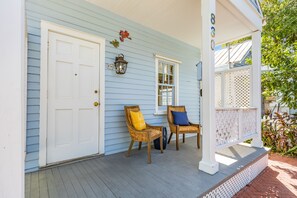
(208, 163)
(256, 85)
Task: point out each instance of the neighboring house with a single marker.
(233, 56)
(75, 99)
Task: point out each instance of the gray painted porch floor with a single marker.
(171, 174)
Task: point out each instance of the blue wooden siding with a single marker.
(137, 86)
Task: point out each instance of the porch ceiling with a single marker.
(179, 19)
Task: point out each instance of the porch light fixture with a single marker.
(120, 64)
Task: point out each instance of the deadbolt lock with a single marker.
(96, 104)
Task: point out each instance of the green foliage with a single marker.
(279, 50)
(248, 61)
(280, 133)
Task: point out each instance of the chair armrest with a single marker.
(154, 127)
(193, 124)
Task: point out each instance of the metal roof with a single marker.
(237, 54)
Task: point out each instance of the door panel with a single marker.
(64, 78)
(86, 125)
(86, 87)
(63, 127)
(73, 77)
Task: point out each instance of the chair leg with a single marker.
(161, 143)
(170, 136)
(184, 137)
(130, 147)
(177, 136)
(198, 140)
(139, 145)
(149, 152)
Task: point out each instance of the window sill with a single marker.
(160, 113)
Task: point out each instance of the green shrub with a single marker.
(280, 133)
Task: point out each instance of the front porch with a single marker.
(171, 174)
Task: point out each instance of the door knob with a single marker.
(96, 104)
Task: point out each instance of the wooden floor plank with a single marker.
(43, 189)
(59, 183)
(145, 180)
(100, 190)
(97, 178)
(67, 182)
(52, 190)
(34, 188)
(120, 185)
(107, 178)
(83, 181)
(76, 184)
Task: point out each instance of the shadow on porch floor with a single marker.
(171, 174)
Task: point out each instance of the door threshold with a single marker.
(71, 161)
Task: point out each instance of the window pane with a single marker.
(160, 78)
(164, 95)
(170, 101)
(171, 81)
(171, 69)
(171, 95)
(169, 92)
(165, 68)
(160, 90)
(165, 76)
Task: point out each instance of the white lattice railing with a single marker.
(233, 87)
(234, 125)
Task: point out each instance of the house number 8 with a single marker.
(212, 18)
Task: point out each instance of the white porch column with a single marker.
(12, 103)
(208, 163)
(256, 84)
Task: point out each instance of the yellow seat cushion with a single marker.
(137, 120)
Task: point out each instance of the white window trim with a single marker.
(46, 27)
(176, 81)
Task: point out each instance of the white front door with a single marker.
(73, 90)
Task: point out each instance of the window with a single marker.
(167, 83)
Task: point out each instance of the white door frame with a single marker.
(47, 27)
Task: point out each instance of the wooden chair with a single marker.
(192, 128)
(147, 135)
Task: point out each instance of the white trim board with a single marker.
(46, 27)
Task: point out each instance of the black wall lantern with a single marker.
(120, 64)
